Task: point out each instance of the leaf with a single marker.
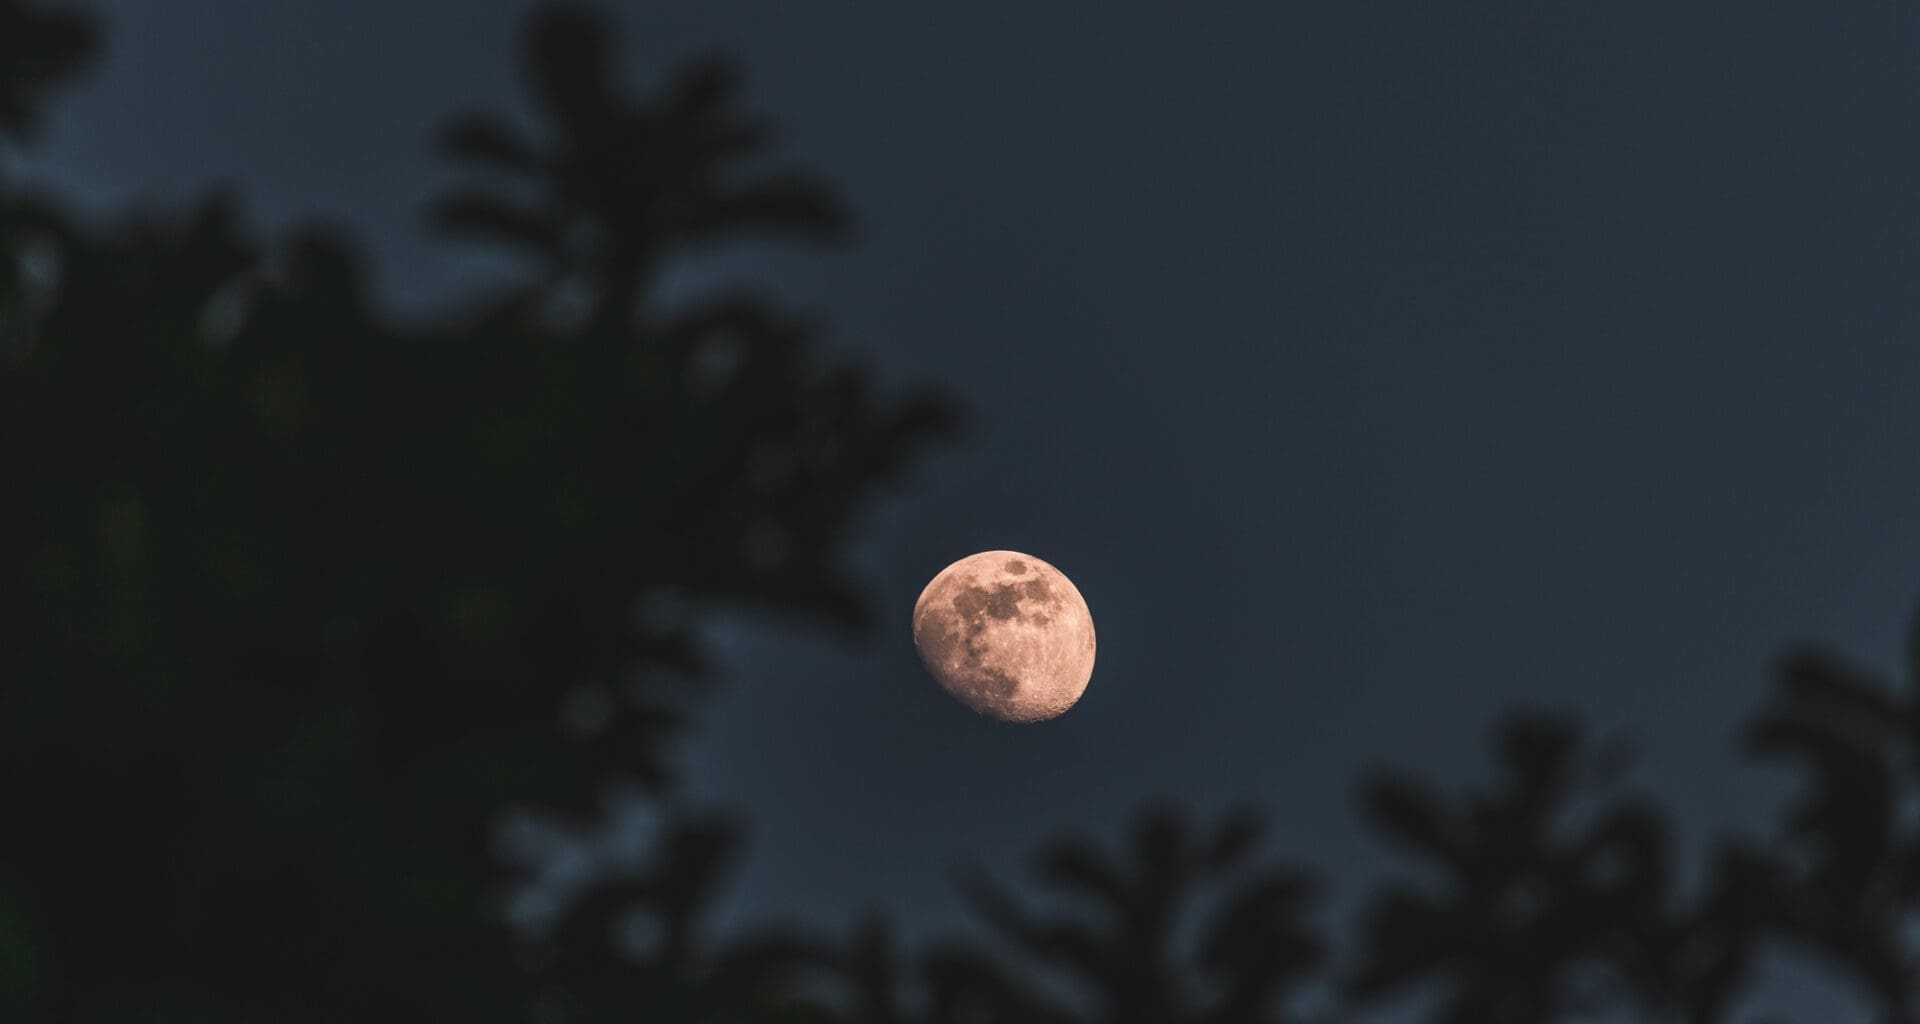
(994, 904)
(487, 141)
(797, 205)
(694, 857)
(1233, 841)
(871, 965)
(1537, 751)
(1631, 846)
(1162, 846)
(1258, 927)
(495, 220)
(1410, 814)
(1404, 938)
(38, 48)
(1815, 682)
(1077, 866)
(569, 68)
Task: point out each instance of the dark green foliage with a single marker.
(1119, 945)
(617, 184)
(39, 46)
(298, 595)
(641, 941)
(1548, 904)
(1850, 845)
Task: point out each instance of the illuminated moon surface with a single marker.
(1007, 635)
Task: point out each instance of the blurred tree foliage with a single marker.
(1556, 897)
(300, 602)
(1848, 856)
(298, 596)
(1126, 947)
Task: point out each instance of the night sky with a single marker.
(1370, 367)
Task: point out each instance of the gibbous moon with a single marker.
(1007, 635)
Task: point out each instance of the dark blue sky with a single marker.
(1369, 367)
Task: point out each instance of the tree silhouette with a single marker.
(619, 183)
(1535, 917)
(39, 47)
(1848, 884)
(1119, 949)
(866, 977)
(304, 594)
(667, 961)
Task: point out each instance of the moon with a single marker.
(1007, 635)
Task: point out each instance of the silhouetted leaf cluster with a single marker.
(39, 46)
(299, 597)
